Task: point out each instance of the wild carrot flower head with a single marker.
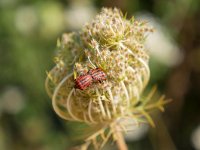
(116, 46)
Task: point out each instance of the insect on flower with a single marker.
(83, 81)
(98, 74)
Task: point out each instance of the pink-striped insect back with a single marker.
(83, 81)
(98, 74)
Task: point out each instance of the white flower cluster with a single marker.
(116, 46)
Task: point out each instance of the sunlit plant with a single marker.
(114, 44)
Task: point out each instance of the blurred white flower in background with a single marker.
(11, 100)
(135, 132)
(161, 46)
(4, 3)
(26, 19)
(195, 138)
(51, 19)
(79, 13)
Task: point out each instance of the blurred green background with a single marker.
(28, 33)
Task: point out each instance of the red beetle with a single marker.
(83, 81)
(97, 74)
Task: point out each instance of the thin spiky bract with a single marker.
(116, 45)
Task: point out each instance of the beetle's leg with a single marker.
(100, 81)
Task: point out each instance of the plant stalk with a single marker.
(121, 144)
